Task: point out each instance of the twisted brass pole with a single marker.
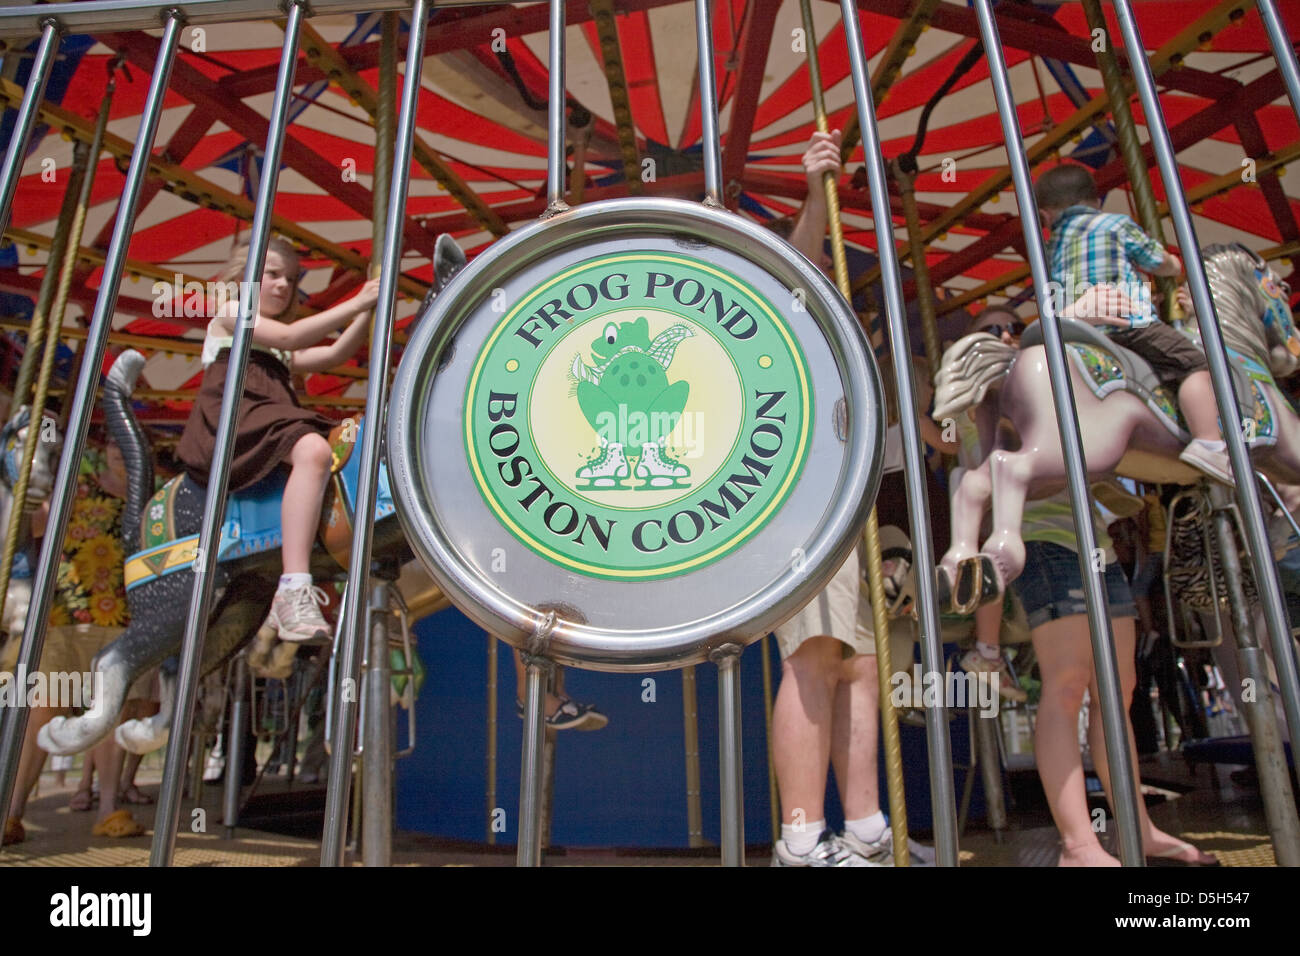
(51, 337)
(875, 574)
(920, 268)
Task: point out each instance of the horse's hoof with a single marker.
(942, 588)
(966, 594)
(52, 741)
(141, 736)
(990, 581)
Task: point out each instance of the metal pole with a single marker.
(26, 118)
(555, 116)
(691, 726)
(1261, 718)
(875, 572)
(938, 744)
(532, 764)
(235, 755)
(42, 338)
(377, 756)
(708, 105)
(990, 764)
(13, 722)
(1123, 781)
(205, 561)
(1130, 147)
(773, 793)
(491, 800)
(1256, 534)
(731, 792)
(385, 112)
(1283, 53)
(351, 620)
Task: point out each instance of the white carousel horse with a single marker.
(12, 439)
(1130, 424)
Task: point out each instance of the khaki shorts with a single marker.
(842, 611)
(71, 649)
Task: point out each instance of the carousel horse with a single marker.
(12, 439)
(1130, 424)
(160, 536)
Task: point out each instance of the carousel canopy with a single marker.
(634, 126)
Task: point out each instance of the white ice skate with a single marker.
(660, 471)
(608, 470)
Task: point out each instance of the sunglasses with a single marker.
(996, 330)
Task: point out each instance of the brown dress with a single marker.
(270, 421)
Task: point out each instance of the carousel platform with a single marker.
(282, 824)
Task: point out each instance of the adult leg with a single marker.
(31, 760)
(801, 727)
(1155, 842)
(854, 724)
(1064, 656)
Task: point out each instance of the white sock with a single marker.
(1212, 445)
(868, 829)
(801, 841)
(290, 581)
(990, 652)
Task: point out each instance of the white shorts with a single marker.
(842, 611)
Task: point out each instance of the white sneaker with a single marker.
(296, 617)
(880, 852)
(1206, 460)
(829, 851)
(973, 662)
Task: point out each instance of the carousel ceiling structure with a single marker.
(479, 168)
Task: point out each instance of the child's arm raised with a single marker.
(322, 358)
(295, 336)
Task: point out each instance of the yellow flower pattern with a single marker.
(90, 588)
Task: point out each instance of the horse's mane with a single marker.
(970, 367)
(1230, 269)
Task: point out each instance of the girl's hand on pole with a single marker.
(367, 296)
(821, 157)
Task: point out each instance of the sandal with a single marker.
(83, 800)
(119, 823)
(134, 795)
(14, 832)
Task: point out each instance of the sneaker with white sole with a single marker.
(829, 851)
(880, 851)
(1214, 464)
(296, 617)
(973, 662)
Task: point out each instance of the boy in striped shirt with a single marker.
(1088, 247)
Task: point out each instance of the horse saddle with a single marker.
(1131, 370)
(252, 523)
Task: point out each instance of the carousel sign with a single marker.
(641, 429)
(638, 416)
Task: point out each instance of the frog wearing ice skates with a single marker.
(627, 398)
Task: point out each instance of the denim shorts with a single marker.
(1051, 588)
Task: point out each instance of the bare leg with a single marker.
(1196, 399)
(856, 717)
(801, 728)
(301, 506)
(1065, 660)
(31, 760)
(1154, 841)
(108, 759)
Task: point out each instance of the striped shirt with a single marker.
(1088, 247)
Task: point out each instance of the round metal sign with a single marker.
(635, 432)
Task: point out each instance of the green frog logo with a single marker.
(627, 398)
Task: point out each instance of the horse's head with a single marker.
(448, 259)
(1247, 294)
(13, 437)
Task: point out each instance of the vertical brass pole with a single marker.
(13, 723)
(920, 268)
(1130, 147)
(875, 573)
(46, 334)
(938, 744)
